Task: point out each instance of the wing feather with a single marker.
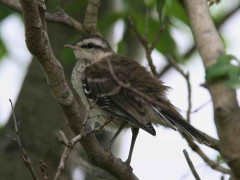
(118, 102)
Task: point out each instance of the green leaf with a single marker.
(3, 50)
(234, 83)
(122, 47)
(175, 9)
(4, 12)
(139, 6)
(234, 78)
(75, 7)
(160, 6)
(105, 22)
(226, 58)
(150, 3)
(220, 158)
(166, 43)
(220, 69)
(67, 56)
(227, 67)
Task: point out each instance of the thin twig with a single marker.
(214, 165)
(60, 16)
(175, 65)
(43, 168)
(23, 153)
(62, 137)
(62, 163)
(191, 166)
(72, 143)
(202, 106)
(186, 77)
(57, 17)
(164, 70)
(189, 97)
(147, 22)
(144, 41)
(158, 35)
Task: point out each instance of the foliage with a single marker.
(4, 12)
(160, 6)
(170, 9)
(220, 158)
(227, 68)
(175, 10)
(157, 9)
(3, 50)
(149, 25)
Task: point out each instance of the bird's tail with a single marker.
(174, 120)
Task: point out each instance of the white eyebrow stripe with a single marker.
(97, 42)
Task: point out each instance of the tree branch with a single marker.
(186, 77)
(38, 44)
(80, 161)
(164, 70)
(214, 165)
(23, 153)
(225, 104)
(191, 166)
(71, 144)
(192, 49)
(91, 15)
(201, 106)
(144, 42)
(219, 24)
(58, 17)
(43, 168)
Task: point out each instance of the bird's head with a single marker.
(92, 48)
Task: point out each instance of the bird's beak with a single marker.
(72, 46)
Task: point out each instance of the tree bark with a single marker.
(40, 118)
(226, 109)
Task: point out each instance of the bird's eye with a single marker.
(90, 46)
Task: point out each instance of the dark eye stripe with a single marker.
(91, 46)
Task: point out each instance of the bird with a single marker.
(123, 89)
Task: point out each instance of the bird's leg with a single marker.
(110, 143)
(134, 137)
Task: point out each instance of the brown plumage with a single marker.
(135, 105)
(93, 72)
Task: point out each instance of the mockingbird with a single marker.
(121, 88)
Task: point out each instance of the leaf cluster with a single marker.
(227, 68)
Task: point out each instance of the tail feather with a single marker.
(175, 121)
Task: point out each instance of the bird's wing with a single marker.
(113, 98)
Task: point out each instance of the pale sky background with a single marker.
(157, 157)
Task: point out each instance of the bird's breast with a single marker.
(96, 114)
